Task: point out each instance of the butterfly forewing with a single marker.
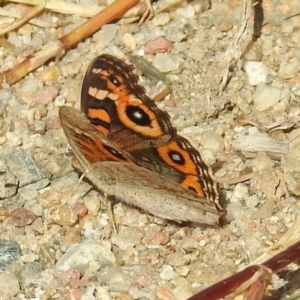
(117, 106)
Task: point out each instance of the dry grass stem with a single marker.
(55, 48)
(34, 12)
(64, 7)
(233, 52)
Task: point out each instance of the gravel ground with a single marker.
(57, 243)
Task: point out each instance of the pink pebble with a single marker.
(159, 44)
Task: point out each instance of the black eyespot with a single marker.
(137, 115)
(115, 80)
(176, 157)
(114, 152)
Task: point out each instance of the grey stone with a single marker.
(21, 164)
(9, 252)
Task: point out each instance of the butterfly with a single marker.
(127, 147)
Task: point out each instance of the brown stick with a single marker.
(116, 10)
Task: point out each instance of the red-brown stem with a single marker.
(230, 284)
(116, 10)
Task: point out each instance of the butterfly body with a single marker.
(127, 147)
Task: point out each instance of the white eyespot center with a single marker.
(137, 114)
(176, 157)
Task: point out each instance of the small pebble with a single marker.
(10, 251)
(53, 122)
(252, 201)
(89, 255)
(160, 238)
(240, 193)
(257, 72)
(224, 25)
(64, 215)
(167, 272)
(176, 259)
(8, 184)
(29, 273)
(206, 22)
(262, 162)
(158, 45)
(128, 238)
(265, 96)
(69, 275)
(21, 217)
(163, 292)
(182, 285)
(166, 63)
(189, 244)
(144, 280)
(104, 36)
(3, 214)
(212, 141)
(182, 270)
(49, 198)
(129, 41)
(49, 73)
(22, 165)
(46, 95)
(72, 236)
(93, 205)
(9, 285)
(161, 19)
(288, 70)
(187, 12)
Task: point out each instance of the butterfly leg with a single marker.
(80, 179)
(148, 13)
(110, 212)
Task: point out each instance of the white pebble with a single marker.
(167, 272)
(257, 72)
(14, 39)
(129, 41)
(187, 12)
(26, 37)
(84, 255)
(161, 19)
(202, 243)
(240, 193)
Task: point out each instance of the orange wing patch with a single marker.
(178, 158)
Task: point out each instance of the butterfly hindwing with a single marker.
(117, 174)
